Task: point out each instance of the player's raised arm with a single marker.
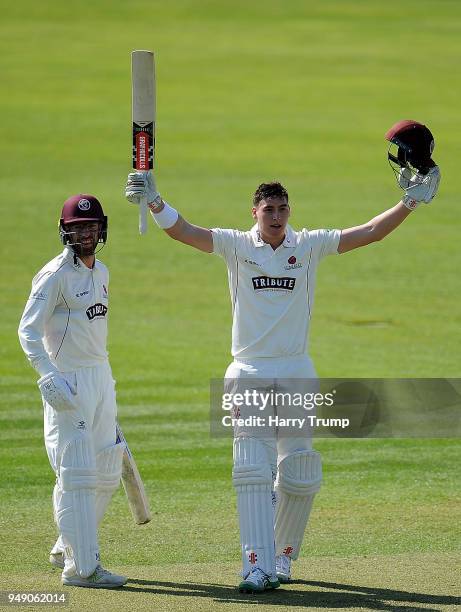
(376, 229)
(142, 185)
(419, 189)
(417, 174)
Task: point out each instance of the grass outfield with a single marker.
(384, 531)
(247, 91)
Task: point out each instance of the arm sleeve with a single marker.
(324, 242)
(224, 242)
(39, 308)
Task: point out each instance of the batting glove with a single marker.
(57, 392)
(405, 178)
(141, 184)
(420, 187)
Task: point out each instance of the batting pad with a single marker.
(299, 479)
(75, 512)
(252, 479)
(109, 472)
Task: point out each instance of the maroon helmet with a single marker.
(81, 208)
(415, 145)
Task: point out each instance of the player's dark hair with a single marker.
(266, 191)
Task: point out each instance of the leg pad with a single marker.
(299, 479)
(75, 508)
(252, 479)
(109, 472)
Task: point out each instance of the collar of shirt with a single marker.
(288, 242)
(76, 261)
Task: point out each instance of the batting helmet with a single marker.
(78, 209)
(415, 145)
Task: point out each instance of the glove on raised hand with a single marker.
(141, 184)
(419, 188)
(57, 392)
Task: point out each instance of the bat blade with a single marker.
(143, 118)
(133, 484)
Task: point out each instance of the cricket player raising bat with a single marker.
(63, 332)
(271, 271)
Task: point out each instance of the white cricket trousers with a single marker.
(263, 372)
(96, 414)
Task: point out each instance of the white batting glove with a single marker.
(405, 178)
(57, 392)
(141, 184)
(420, 187)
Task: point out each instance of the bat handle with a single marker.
(143, 215)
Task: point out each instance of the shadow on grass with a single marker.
(327, 595)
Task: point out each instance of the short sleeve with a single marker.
(224, 242)
(324, 242)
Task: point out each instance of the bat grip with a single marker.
(143, 215)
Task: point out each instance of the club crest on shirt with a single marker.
(265, 283)
(292, 261)
(97, 311)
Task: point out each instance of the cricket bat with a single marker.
(132, 483)
(143, 118)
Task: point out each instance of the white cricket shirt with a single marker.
(272, 292)
(64, 323)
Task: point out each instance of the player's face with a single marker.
(272, 217)
(84, 236)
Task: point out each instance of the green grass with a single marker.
(384, 527)
(247, 91)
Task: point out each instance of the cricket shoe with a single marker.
(257, 581)
(99, 579)
(57, 559)
(283, 568)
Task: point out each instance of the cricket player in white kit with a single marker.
(63, 332)
(271, 271)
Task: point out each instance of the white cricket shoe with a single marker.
(57, 559)
(283, 568)
(257, 581)
(99, 579)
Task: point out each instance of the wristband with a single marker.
(167, 217)
(410, 203)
